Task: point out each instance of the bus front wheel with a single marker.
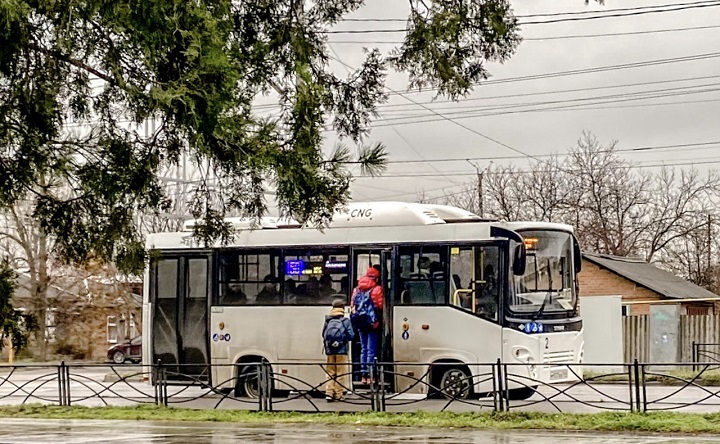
(454, 383)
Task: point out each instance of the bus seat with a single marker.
(438, 288)
(420, 291)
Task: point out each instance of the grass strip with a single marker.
(656, 422)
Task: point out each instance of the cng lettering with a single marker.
(361, 212)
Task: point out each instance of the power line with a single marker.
(528, 94)
(472, 130)
(592, 70)
(552, 14)
(546, 22)
(551, 38)
(700, 145)
(628, 14)
(403, 120)
(517, 172)
(570, 100)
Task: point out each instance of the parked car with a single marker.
(126, 351)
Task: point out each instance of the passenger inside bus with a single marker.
(344, 288)
(269, 293)
(291, 292)
(233, 294)
(488, 294)
(326, 290)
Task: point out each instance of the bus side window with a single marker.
(461, 270)
(422, 276)
(248, 277)
(315, 277)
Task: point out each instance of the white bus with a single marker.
(458, 290)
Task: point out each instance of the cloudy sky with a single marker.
(672, 96)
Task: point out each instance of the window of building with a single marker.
(249, 278)
(423, 278)
(315, 277)
(112, 329)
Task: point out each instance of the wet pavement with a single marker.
(141, 432)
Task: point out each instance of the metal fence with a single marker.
(633, 387)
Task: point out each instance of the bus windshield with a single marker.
(548, 282)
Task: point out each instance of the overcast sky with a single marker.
(634, 123)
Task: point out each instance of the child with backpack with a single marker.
(365, 313)
(337, 333)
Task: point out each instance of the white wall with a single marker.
(602, 323)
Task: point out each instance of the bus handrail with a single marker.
(462, 291)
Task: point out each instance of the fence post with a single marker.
(502, 386)
(694, 356)
(381, 394)
(163, 386)
(260, 385)
(644, 389)
(61, 385)
(265, 387)
(373, 392)
(156, 381)
(496, 385)
(67, 385)
(506, 387)
(637, 385)
(630, 386)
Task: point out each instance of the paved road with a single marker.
(90, 386)
(142, 432)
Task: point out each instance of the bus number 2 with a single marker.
(547, 343)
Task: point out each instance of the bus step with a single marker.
(358, 384)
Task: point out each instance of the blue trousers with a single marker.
(368, 346)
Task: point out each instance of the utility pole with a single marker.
(709, 243)
(480, 179)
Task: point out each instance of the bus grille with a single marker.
(560, 357)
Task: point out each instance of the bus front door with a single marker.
(379, 259)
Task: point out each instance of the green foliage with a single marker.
(196, 69)
(13, 325)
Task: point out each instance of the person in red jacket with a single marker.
(369, 338)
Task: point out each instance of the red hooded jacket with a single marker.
(369, 282)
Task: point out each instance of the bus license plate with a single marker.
(558, 374)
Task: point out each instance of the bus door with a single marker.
(179, 332)
(362, 260)
(476, 288)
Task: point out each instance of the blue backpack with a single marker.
(364, 316)
(336, 335)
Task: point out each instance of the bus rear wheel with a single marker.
(247, 384)
(455, 383)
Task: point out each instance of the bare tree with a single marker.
(679, 207)
(29, 249)
(545, 191)
(613, 200)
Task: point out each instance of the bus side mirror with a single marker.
(577, 256)
(519, 260)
